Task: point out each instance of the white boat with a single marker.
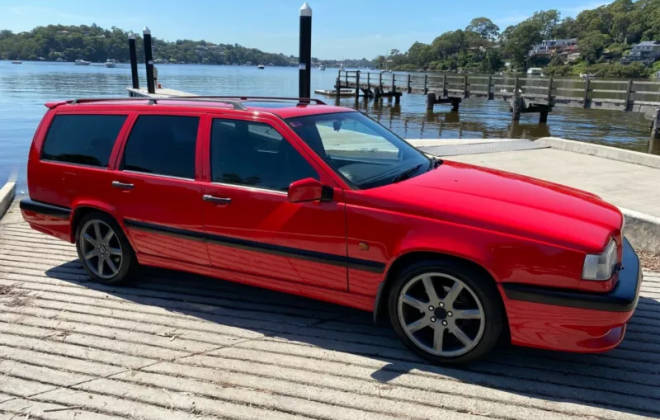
(535, 71)
(80, 62)
(322, 67)
(111, 63)
(261, 67)
(333, 92)
(17, 62)
(587, 76)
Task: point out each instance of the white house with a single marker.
(646, 52)
(552, 46)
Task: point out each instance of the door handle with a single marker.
(217, 200)
(122, 185)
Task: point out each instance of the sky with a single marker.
(340, 28)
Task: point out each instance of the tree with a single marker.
(547, 20)
(484, 27)
(591, 46)
(521, 39)
(492, 62)
(420, 54)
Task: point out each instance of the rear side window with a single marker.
(82, 139)
(162, 145)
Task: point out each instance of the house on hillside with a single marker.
(552, 47)
(646, 52)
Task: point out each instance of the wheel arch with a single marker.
(83, 209)
(380, 304)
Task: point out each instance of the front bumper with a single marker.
(571, 320)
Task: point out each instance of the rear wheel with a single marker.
(103, 249)
(446, 312)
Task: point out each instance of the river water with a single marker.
(25, 88)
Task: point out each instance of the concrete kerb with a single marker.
(642, 230)
(606, 152)
(7, 194)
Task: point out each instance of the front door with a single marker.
(250, 224)
(155, 191)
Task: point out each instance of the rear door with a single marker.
(251, 226)
(155, 188)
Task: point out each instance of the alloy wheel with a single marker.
(101, 249)
(441, 314)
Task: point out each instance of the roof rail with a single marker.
(153, 101)
(260, 98)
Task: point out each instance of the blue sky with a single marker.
(341, 28)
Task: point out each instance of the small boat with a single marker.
(322, 67)
(261, 67)
(535, 71)
(333, 92)
(587, 76)
(111, 63)
(80, 62)
(17, 62)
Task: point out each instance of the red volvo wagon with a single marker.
(323, 202)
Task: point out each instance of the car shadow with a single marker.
(626, 379)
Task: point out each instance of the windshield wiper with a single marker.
(407, 174)
(435, 162)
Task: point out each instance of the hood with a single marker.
(510, 203)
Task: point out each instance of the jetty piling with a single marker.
(149, 60)
(133, 54)
(305, 52)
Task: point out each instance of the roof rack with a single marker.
(153, 101)
(260, 98)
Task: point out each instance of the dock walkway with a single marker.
(180, 346)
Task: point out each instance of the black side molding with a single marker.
(302, 254)
(46, 209)
(623, 298)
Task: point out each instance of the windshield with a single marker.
(362, 151)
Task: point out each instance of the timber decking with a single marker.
(180, 346)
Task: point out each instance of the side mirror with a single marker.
(309, 189)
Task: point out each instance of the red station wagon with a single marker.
(323, 202)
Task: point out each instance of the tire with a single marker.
(462, 326)
(117, 256)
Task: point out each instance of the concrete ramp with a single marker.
(487, 146)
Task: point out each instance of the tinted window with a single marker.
(162, 145)
(82, 139)
(255, 154)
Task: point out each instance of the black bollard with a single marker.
(149, 60)
(305, 56)
(133, 53)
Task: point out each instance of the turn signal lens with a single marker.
(600, 267)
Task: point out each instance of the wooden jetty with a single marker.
(525, 94)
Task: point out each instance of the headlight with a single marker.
(600, 266)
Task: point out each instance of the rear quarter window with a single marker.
(82, 139)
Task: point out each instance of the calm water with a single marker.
(25, 88)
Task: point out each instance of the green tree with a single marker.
(592, 45)
(484, 27)
(520, 40)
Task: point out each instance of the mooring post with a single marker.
(380, 80)
(585, 101)
(149, 60)
(444, 85)
(346, 77)
(338, 86)
(132, 49)
(516, 105)
(368, 81)
(393, 83)
(544, 116)
(430, 101)
(409, 88)
(628, 95)
(357, 85)
(549, 92)
(491, 94)
(465, 87)
(426, 84)
(305, 52)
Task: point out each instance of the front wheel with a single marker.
(103, 249)
(448, 313)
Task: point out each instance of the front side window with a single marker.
(256, 155)
(359, 149)
(162, 145)
(82, 139)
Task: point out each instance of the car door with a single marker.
(155, 189)
(251, 226)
